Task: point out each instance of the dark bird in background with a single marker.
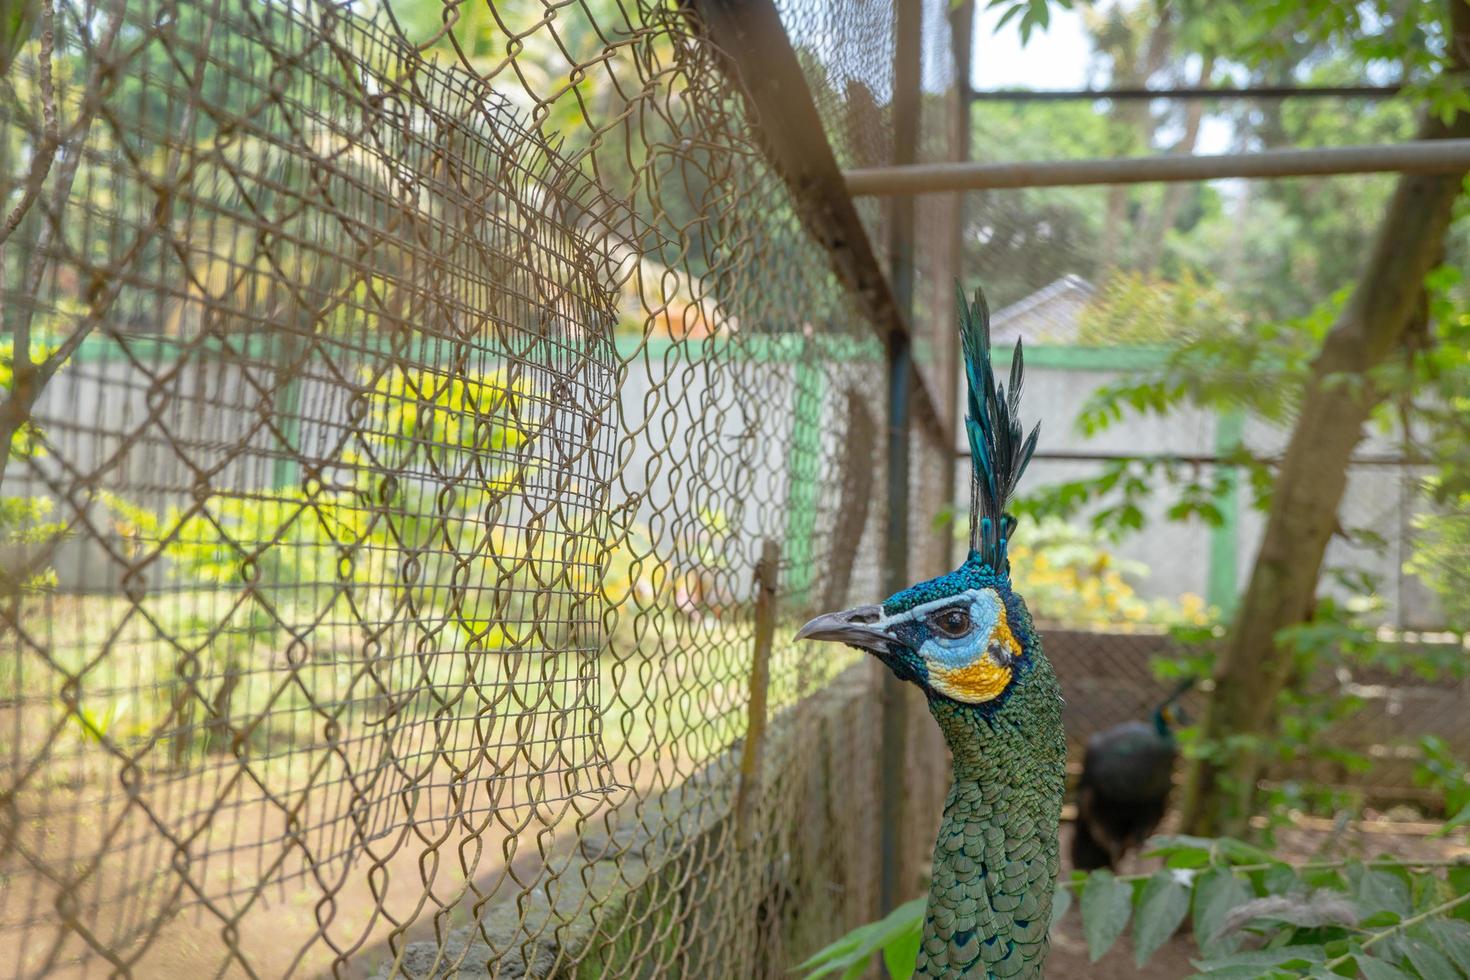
(1124, 790)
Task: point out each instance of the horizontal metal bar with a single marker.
(1149, 94)
(1424, 156)
(1194, 459)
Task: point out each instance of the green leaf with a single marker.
(1391, 948)
(1006, 16)
(1199, 851)
(1376, 969)
(1325, 878)
(1106, 904)
(1181, 851)
(1427, 890)
(1162, 907)
(1061, 901)
(1454, 823)
(1380, 919)
(1428, 961)
(902, 955)
(1459, 879)
(1249, 973)
(1279, 879)
(852, 952)
(1028, 24)
(839, 955)
(1382, 891)
(1453, 937)
(1217, 892)
(17, 20)
(1292, 957)
(1239, 852)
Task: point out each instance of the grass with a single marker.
(200, 679)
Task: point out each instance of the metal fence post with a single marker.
(760, 54)
(961, 34)
(905, 109)
(766, 572)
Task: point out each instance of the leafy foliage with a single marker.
(1140, 308)
(896, 937)
(329, 539)
(1029, 15)
(26, 520)
(1336, 645)
(27, 440)
(1441, 771)
(1441, 557)
(1251, 916)
(1105, 905)
(1069, 575)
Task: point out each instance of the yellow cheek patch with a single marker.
(983, 680)
(1002, 632)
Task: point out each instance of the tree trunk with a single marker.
(1167, 212)
(1339, 397)
(1132, 68)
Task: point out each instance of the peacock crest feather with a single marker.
(998, 453)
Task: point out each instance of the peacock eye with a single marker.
(952, 622)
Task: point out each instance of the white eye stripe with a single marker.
(954, 652)
(983, 597)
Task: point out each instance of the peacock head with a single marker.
(1170, 713)
(966, 636)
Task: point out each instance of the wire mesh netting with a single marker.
(427, 423)
(847, 54)
(399, 404)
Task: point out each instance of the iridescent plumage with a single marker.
(998, 454)
(966, 638)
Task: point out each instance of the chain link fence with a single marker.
(427, 426)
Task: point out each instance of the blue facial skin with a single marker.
(903, 656)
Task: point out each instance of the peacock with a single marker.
(967, 640)
(1124, 790)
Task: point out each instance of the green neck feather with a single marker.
(996, 858)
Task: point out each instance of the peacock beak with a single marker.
(855, 627)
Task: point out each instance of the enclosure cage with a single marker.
(427, 425)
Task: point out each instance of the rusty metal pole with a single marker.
(752, 753)
(893, 753)
(768, 75)
(961, 34)
(1255, 93)
(1443, 156)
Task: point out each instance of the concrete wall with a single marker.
(1193, 557)
(217, 424)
